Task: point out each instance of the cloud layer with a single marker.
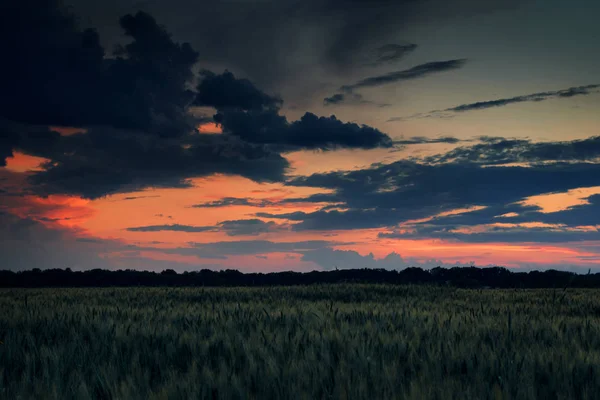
(528, 98)
(136, 110)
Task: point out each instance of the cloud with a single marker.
(416, 72)
(226, 91)
(230, 201)
(389, 194)
(243, 227)
(138, 197)
(259, 203)
(246, 112)
(329, 259)
(338, 98)
(172, 228)
(499, 233)
(514, 222)
(8, 140)
(535, 97)
(425, 140)
(351, 99)
(498, 150)
(402, 192)
(268, 127)
(392, 52)
(528, 98)
(249, 227)
(55, 73)
(134, 110)
(107, 161)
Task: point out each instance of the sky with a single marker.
(279, 135)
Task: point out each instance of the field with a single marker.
(318, 342)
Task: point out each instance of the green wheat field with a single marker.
(319, 342)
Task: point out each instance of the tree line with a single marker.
(467, 277)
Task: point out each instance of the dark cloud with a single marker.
(535, 97)
(89, 240)
(248, 227)
(254, 117)
(482, 105)
(510, 223)
(502, 234)
(133, 106)
(268, 127)
(6, 148)
(351, 99)
(338, 98)
(32, 140)
(579, 215)
(416, 72)
(226, 91)
(425, 140)
(243, 227)
(172, 228)
(388, 194)
(138, 197)
(55, 73)
(108, 161)
(392, 52)
(229, 201)
(497, 150)
(260, 203)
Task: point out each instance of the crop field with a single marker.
(319, 342)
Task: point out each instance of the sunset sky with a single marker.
(300, 135)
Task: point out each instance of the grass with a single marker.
(337, 341)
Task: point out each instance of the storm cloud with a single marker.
(134, 108)
(108, 161)
(226, 91)
(55, 73)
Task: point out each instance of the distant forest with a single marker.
(470, 277)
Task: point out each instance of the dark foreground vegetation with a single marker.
(460, 277)
(347, 341)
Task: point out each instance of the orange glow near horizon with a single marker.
(108, 219)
